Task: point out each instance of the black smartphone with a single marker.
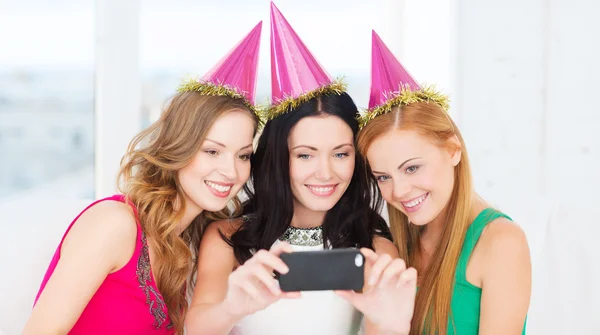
(337, 269)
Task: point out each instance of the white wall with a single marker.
(526, 77)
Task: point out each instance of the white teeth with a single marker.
(321, 189)
(415, 202)
(218, 187)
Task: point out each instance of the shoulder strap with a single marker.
(473, 233)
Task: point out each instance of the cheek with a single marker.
(195, 169)
(427, 181)
(440, 179)
(300, 171)
(449, 177)
(386, 190)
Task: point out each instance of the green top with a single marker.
(466, 298)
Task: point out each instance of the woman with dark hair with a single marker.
(311, 190)
(307, 176)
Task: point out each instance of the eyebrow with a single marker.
(399, 167)
(215, 142)
(315, 149)
(224, 146)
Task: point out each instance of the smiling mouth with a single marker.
(221, 190)
(322, 190)
(414, 204)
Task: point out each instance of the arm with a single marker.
(506, 279)
(101, 241)
(216, 261)
(388, 300)
(222, 297)
(382, 246)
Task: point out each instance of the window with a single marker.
(46, 98)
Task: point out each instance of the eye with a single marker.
(341, 155)
(245, 157)
(382, 178)
(211, 152)
(303, 156)
(412, 169)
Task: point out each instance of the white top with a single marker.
(315, 313)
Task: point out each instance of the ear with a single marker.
(455, 150)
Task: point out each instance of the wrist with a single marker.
(230, 312)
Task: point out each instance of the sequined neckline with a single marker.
(306, 237)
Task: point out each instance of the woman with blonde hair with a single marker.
(124, 265)
(473, 261)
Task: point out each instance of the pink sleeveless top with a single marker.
(128, 301)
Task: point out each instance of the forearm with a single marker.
(47, 324)
(41, 330)
(210, 319)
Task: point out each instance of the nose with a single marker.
(227, 167)
(324, 171)
(401, 189)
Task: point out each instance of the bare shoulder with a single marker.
(384, 246)
(504, 241)
(105, 232)
(217, 229)
(503, 233)
(113, 218)
(108, 225)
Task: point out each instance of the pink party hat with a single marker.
(392, 85)
(235, 74)
(296, 76)
(387, 74)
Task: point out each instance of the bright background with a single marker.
(79, 78)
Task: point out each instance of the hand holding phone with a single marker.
(389, 297)
(251, 287)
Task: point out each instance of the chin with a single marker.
(417, 222)
(320, 206)
(213, 205)
(421, 219)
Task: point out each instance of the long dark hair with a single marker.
(352, 222)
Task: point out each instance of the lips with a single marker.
(219, 189)
(322, 190)
(415, 203)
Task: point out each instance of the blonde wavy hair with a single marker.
(436, 282)
(149, 180)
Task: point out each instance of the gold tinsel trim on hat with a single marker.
(404, 97)
(275, 109)
(222, 90)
